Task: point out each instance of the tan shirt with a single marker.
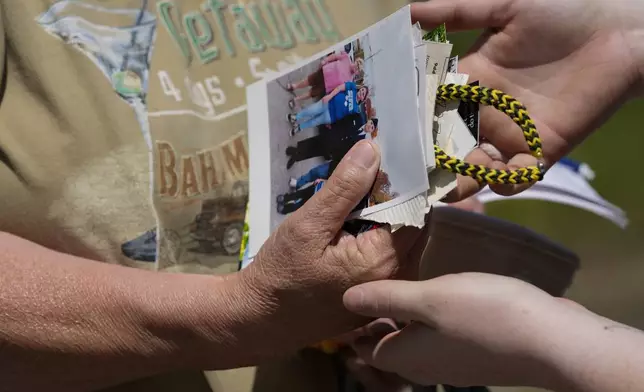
(123, 125)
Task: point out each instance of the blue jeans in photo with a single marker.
(319, 172)
(314, 115)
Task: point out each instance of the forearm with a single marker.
(74, 324)
(590, 353)
(336, 91)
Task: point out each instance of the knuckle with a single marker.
(384, 245)
(377, 249)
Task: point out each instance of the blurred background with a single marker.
(611, 279)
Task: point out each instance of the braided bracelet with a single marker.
(513, 109)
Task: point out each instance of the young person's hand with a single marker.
(478, 329)
(469, 329)
(572, 63)
(304, 268)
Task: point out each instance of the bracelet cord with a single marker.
(513, 109)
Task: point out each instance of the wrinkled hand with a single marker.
(466, 330)
(303, 269)
(571, 63)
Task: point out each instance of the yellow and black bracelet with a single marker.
(513, 109)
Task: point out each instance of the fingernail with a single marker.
(363, 154)
(354, 298)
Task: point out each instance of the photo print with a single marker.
(303, 121)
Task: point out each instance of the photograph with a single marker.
(361, 89)
(329, 109)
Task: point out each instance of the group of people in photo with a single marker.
(341, 115)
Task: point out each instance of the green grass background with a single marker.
(611, 279)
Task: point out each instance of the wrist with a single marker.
(290, 313)
(244, 318)
(583, 351)
(206, 322)
(551, 336)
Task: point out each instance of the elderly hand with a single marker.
(466, 330)
(572, 64)
(303, 269)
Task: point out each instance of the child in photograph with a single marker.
(335, 142)
(319, 172)
(343, 101)
(308, 185)
(381, 191)
(335, 69)
(292, 201)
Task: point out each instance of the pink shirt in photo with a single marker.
(338, 72)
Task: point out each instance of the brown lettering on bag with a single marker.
(236, 157)
(195, 175)
(209, 171)
(167, 162)
(189, 182)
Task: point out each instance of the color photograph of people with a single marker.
(329, 109)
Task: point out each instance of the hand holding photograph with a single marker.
(303, 121)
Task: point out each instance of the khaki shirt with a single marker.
(123, 122)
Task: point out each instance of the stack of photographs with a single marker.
(378, 85)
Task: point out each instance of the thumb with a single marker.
(351, 181)
(461, 15)
(398, 300)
